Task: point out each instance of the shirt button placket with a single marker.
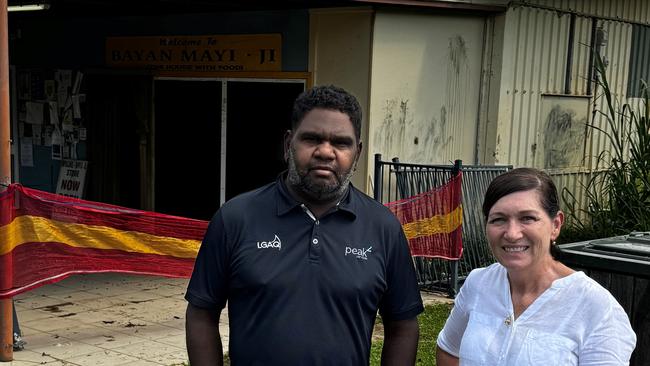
(315, 245)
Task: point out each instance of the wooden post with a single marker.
(6, 310)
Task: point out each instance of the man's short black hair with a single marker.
(327, 97)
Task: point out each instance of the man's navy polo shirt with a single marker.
(302, 291)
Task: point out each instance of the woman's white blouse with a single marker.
(574, 322)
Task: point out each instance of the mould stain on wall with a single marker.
(563, 138)
(418, 138)
(456, 91)
(399, 135)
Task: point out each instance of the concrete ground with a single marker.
(109, 319)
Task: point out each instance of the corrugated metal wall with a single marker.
(626, 10)
(581, 54)
(534, 63)
(639, 60)
(536, 43)
(616, 53)
(574, 182)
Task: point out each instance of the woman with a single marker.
(530, 309)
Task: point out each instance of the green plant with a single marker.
(431, 322)
(618, 192)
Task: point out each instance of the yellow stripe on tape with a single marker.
(25, 229)
(439, 224)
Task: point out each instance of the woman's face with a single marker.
(520, 231)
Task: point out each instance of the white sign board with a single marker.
(71, 178)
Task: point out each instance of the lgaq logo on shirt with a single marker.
(275, 243)
(360, 253)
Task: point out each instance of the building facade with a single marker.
(487, 82)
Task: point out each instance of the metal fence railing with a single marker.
(395, 180)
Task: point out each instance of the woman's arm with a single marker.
(445, 359)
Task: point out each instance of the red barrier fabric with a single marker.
(432, 221)
(45, 238)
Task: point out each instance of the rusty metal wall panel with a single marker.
(616, 53)
(639, 60)
(535, 51)
(535, 54)
(637, 11)
(581, 55)
(537, 39)
(572, 185)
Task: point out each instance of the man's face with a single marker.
(322, 154)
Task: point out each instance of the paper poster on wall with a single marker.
(73, 151)
(34, 113)
(26, 152)
(64, 79)
(77, 82)
(54, 113)
(67, 125)
(36, 134)
(72, 176)
(57, 144)
(50, 90)
(46, 134)
(62, 98)
(76, 107)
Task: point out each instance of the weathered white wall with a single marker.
(339, 44)
(426, 73)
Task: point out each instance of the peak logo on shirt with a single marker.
(360, 253)
(276, 243)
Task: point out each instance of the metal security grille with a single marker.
(395, 180)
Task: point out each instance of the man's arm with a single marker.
(202, 336)
(445, 359)
(400, 342)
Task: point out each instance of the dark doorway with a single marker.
(258, 115)
(118, 111)
(187, 147)
(188, 140)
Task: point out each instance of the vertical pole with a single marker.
(569, 58)
(458, 164)
(453, 288)
(592, 54)
(379, 175)
(6, 305)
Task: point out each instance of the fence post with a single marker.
(458, 164)
(379, 174)
(453, 285)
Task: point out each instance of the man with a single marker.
(305, 262)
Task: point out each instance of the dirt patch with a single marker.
(378, 332)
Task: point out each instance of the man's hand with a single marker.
(400, 342)
(202, 336)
